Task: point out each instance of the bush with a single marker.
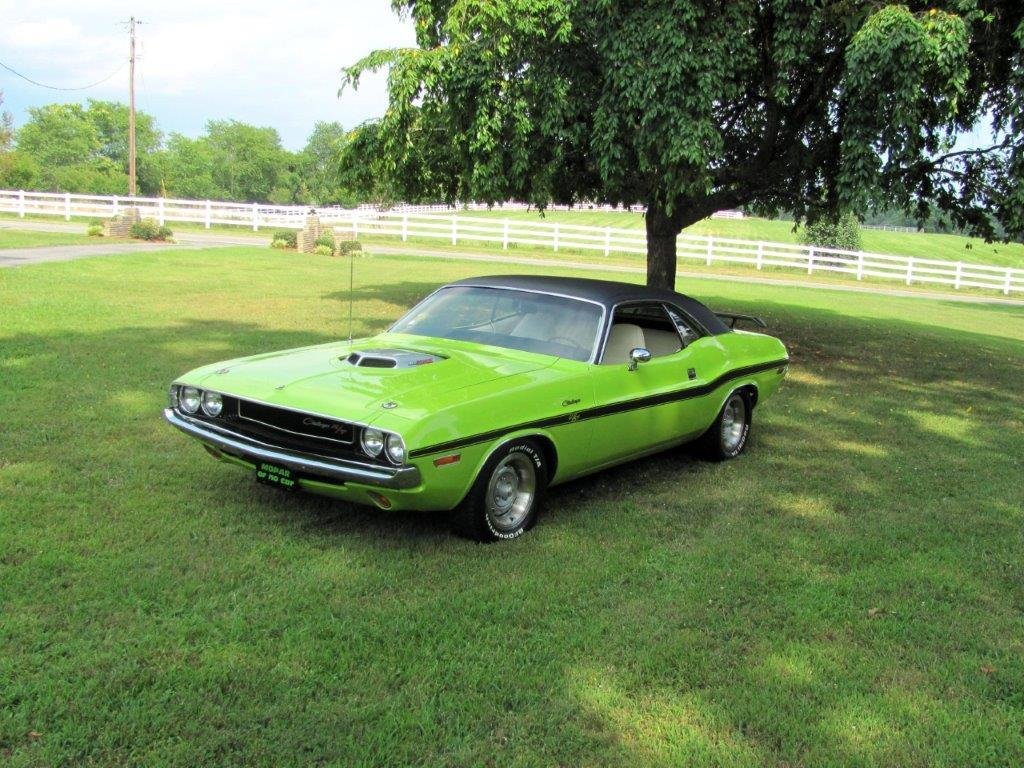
(287, 236)
(326, 239)
(347, 247)
(147, 229)
(279, 243)
(842, 233)
(94, 230)
(323, 250)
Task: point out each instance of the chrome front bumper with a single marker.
(333, 470)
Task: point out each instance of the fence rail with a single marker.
(434, 222)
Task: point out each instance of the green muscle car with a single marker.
(487, 392)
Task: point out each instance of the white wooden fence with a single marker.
(427, 222)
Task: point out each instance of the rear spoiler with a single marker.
(731, 318)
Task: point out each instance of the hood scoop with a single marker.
(391, 358)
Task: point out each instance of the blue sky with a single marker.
(266, 63)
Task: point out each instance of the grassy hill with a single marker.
(918, 244)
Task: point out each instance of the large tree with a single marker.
(690, 106)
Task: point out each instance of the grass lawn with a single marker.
(848, 592)
(13, 238)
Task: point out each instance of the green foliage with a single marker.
(148, 229)
(280, 244)
(842, 233)
(349, 247)
(94, 230)
(323, 250)
(17, 171)
(6, 127)
(84, 149)
(691, 106)
(287, 236)
(325, 239)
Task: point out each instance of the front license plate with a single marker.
(272, 474)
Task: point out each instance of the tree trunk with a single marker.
(661, 247)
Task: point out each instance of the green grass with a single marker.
(849, 592)
(918, 244)
(12, 238)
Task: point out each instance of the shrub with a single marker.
(326, 239)
(278, 243)
(147, 229)
(842, 233)
(94, 230)
(323, 250)
(349, 247)
(286, 236)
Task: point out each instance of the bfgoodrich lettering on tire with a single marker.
(727, 436)
(502, 504)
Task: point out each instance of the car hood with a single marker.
(321, 379)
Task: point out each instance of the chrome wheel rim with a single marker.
(734, 419)
(510, 492)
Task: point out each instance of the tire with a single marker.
(727, 436)
(503, 502)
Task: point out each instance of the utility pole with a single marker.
(131, 109)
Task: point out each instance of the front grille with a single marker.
(289, 430)
(302, 424)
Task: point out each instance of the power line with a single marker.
(60, 88)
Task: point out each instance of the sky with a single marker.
(266, 63)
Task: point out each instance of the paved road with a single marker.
(221, 238)
(16, 257)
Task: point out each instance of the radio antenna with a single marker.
(351, 290)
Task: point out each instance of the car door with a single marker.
(645, 408)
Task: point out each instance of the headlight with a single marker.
(372, 442)
(189, 398)
(172, 396)
(396, 449)
(212, 404)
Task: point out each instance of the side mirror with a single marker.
(638, 355)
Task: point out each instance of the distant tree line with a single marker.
(84, 149)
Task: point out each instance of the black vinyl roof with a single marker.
(608, 293)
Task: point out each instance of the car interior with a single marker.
(648, 326)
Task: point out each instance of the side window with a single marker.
(687, 329)
(649, 321)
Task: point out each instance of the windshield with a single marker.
(505, 317)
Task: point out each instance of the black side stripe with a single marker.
(649, 401)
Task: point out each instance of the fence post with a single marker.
(711, 247)
(455, 230)
(810, 260)
(860, 265)
(355, 226)
(405, 227)
(910, 270)
(504, 235)
(959, 275)
(21, 203)
(160, 211)
(67, 206)
(607, 240)
(1006, 285)
(116, 205)
(206, 222)
(555, 238)
(760, 254)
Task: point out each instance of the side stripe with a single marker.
(649, 401)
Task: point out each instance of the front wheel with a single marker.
(502, 504)
(727, 436)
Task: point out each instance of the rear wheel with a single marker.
(502, 504)
(727, 436)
